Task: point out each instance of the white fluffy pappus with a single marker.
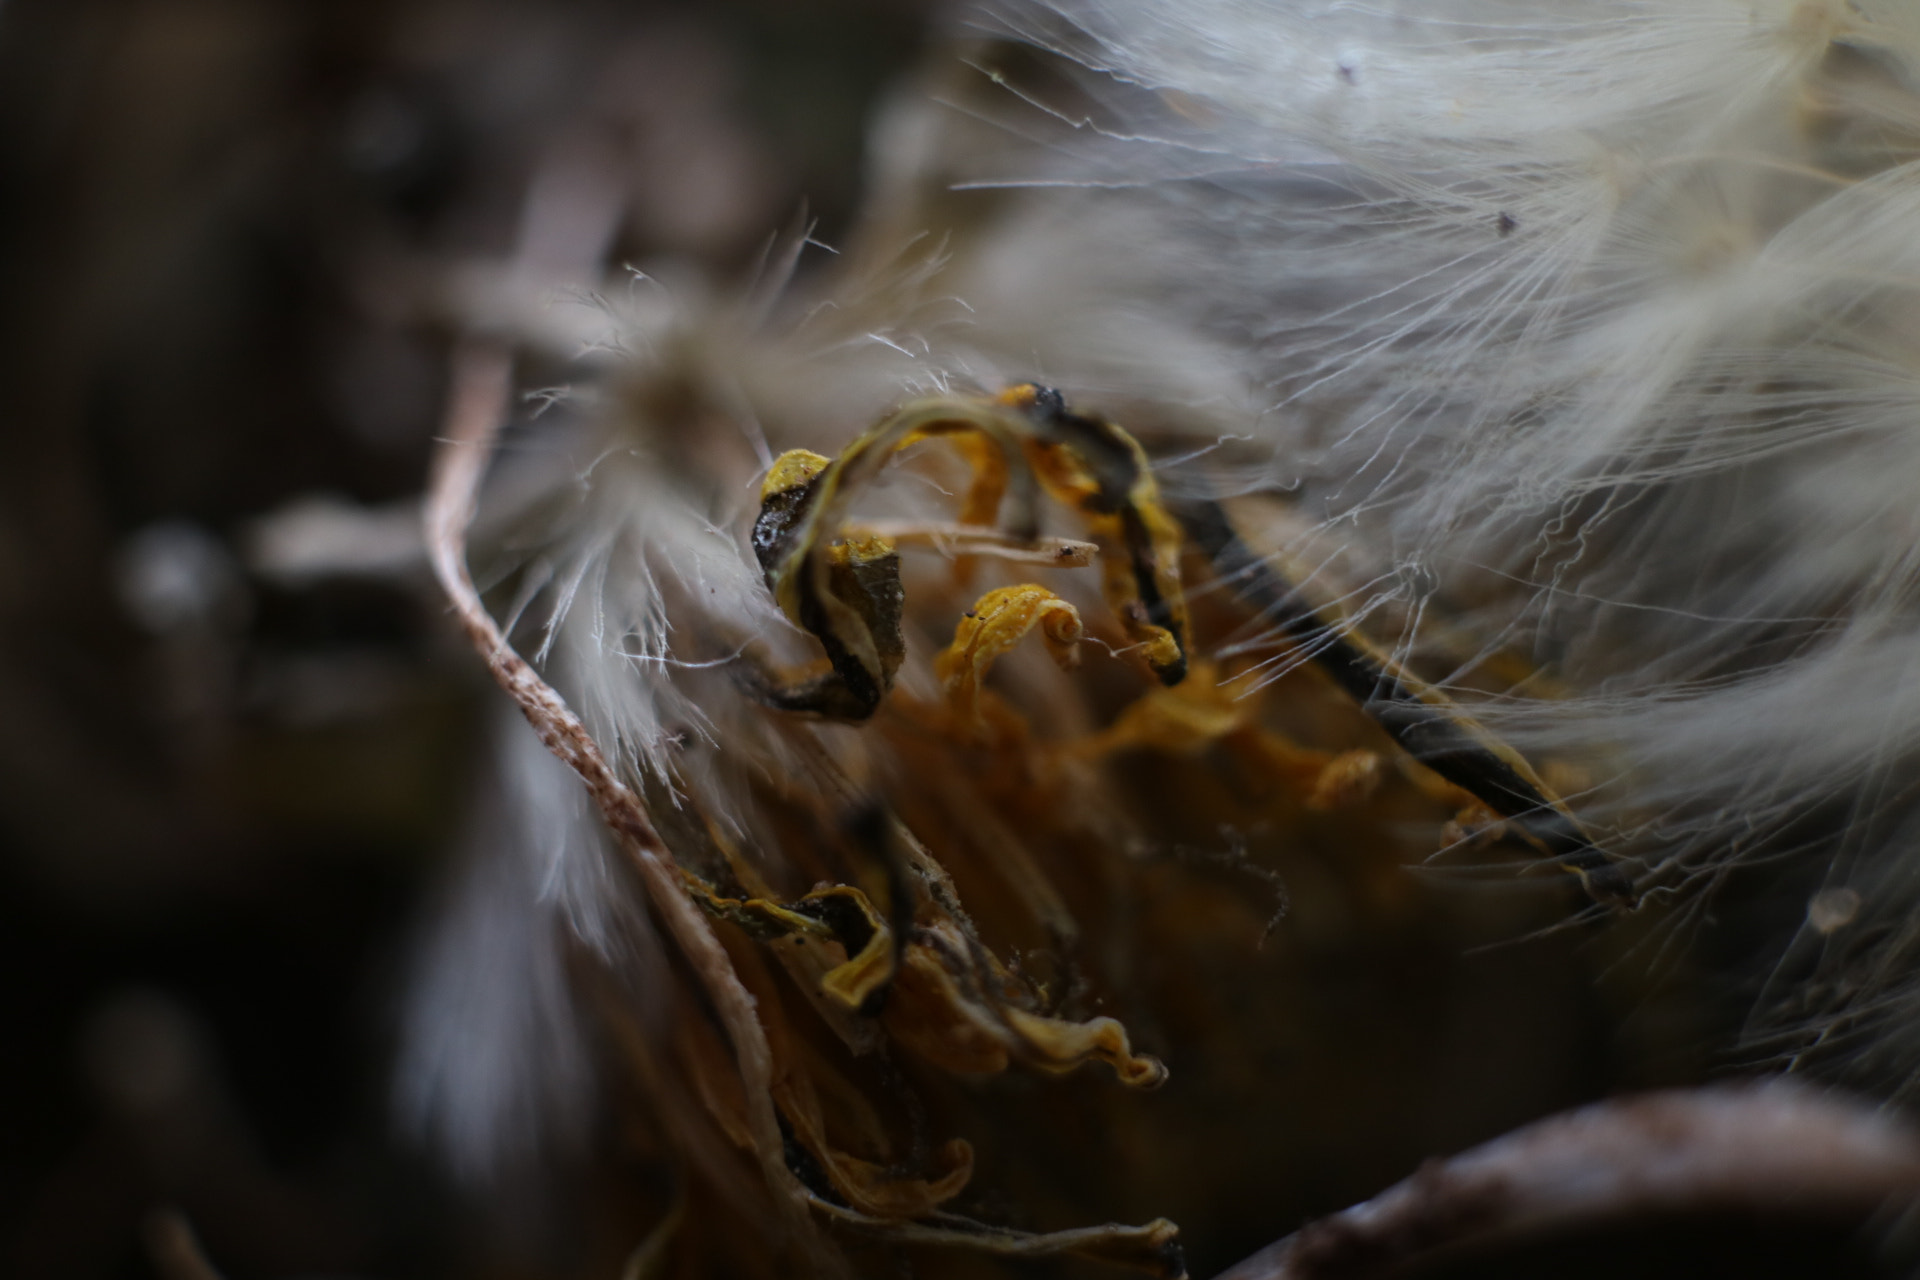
(612, 545)
(615, 536)
(1589, 329)
(1601, 322)
(493, 1070)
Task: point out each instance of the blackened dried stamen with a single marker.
(784, 498)
(1420, 720)
(1123, 491)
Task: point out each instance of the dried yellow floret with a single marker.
(998, 621)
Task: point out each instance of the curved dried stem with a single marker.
(1762, 1147)
(480, 386)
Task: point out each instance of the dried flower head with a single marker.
(1486, 432)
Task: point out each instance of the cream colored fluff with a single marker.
(1592, 327)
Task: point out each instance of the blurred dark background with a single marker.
(237, 736)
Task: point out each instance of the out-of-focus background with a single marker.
(237, 735)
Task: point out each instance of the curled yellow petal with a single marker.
(998, 621)
(838, 913)
(1186, 719)
(1192, 717)
(949, 1010)
(1057, 1046)
(872, 1188)
(868, 970)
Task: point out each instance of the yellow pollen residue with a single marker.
(792, 469)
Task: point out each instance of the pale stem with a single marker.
(477, 404)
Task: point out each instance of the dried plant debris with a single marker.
(960, 874)
(1771, 1147)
